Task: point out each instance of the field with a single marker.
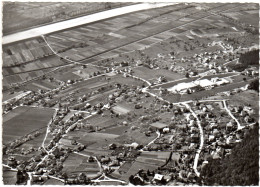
(76, 164)
(88, 139)
(147, 161)
(16, 19)
(30, 119)
(9, 177)
(109, 38)
(149, 74)
(120, 110)
(245, 14)
(116, 130)
(126, 80)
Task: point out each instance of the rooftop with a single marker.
(159, 125)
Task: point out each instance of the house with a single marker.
(211, 138)
(166, 130)
(162, 79)
(195, 138)
(139, 63)
(158, 177)
(158, 126)
(230, 140)
(220, 81)
(249, 110)
(229, 126)
(124, 64)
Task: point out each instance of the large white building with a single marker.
(182, 87)
(204, 83)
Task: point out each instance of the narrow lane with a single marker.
(201, 139)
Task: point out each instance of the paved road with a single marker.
(46, 29)
(201, 139)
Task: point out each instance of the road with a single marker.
(201, 139)
(46, 29)
(231, 115)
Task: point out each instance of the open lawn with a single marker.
(87, 138)
(135, 136)
(102, 121)
(126, 80)
(30, 119)
(116, 130)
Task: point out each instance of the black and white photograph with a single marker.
(129, 93)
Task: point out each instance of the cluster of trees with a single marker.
(250, 57)
(254, 85)
(247, 59)
(239, 168)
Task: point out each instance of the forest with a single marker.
(240, 168)
(246, 60)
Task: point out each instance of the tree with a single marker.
(254, 85)
(241, 168)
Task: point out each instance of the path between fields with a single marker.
(158, 136)
(48, 128)
(46, 29)
(66, 58)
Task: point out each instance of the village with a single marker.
(206, 128)
(156, 115)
